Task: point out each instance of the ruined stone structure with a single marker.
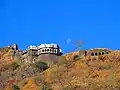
(95, 52)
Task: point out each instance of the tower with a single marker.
(32, 54)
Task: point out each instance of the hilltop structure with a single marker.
(49, 53)
(95, 52)
(44, 52)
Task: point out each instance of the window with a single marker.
(50, 50)
(92, 54)
(47, 49)
(99, 53)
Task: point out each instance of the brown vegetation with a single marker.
(72, 73)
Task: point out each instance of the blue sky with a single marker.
(26, 22)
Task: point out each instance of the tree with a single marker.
(78, 44)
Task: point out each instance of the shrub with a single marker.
(41, 65)
(14, 65)
(77, 57)
(15, 87)
(106, 67)
(44, 87)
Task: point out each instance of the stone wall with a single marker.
(48, 58)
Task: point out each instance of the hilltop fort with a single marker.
(49, 53)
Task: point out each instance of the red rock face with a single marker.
(5, 58)
(11, 82)
(9, 59)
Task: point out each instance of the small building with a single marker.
(49, 49)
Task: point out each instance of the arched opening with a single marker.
(107, 53)
(95, 54)
(55, 51)
(103, 53)
(47, 50)
(43, 50)
(52, 50)
(99, 53)
(92, 54)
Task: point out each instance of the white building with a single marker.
(49, 49)
(46, 49)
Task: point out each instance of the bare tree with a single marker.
(78, 44)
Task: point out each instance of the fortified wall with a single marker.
(48, 53)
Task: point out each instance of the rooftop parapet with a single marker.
(31, 47)
(48, 46)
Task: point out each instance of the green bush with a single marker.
(44, 87)
(14, 65)
(41, 65)
(15, 87)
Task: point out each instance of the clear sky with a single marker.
(26, 22)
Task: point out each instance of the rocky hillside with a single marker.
(71, 72)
